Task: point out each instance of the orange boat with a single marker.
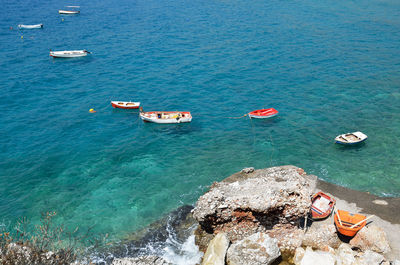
(322, 205)
(349, 224)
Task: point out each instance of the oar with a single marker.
(338, 217)
(361, 221)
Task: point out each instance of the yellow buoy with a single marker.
(92, 111)
(22, 37)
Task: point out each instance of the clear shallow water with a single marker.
(328, 67)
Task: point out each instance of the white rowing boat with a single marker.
(37, 26)
(166, 116)
(68, 54)
(68, 12)
(351, 138)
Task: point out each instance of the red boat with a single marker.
(125, 105)
(322, 205)
(263, 113)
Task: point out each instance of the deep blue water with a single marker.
(329, 67)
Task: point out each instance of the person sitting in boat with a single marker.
(178, 116)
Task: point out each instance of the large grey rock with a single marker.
(251, 202)
(143, 260)
(256, 249)
(311, 257)
(369, 257)
(319, 236)
(372, 238)
(345, 255)
(216, 251)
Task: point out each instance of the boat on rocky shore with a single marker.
(322, 205)
(348, 224)
(256, 217)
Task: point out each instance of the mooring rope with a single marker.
(236, 117)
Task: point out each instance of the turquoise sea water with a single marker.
(329, 67)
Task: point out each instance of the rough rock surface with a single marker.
(298, 255)
(371, 258)
(311, 257)
(246, 203)
(216, 251)
(345, 255)
(143, 260)
(372, 238)
(321, 235)
(257, 249)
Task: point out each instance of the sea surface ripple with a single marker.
(328, 67)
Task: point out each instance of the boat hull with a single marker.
(351, 138)
(68, 54)
(168, 118)
(68, 12)
(316, 212)
(37, 26)
(125, 105)
(347, 220)
(263, 113)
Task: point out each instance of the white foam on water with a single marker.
(186, 253)
(178, 253)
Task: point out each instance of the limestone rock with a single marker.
(298, 255)
(317, 257)
(372, 238)
(320, 236)
(257, 249)
(244, 204)
(216, 251)
(143, 260)
(369, 257)
(345, 255)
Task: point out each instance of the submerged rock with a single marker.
(257, 249)
(246, 203)
(216, 251)
(372, 238)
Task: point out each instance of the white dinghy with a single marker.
(37, 26)
(351, 138)
(69, 54)
(73, 11)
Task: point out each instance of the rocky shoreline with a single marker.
(258, 217)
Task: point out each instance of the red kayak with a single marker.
(263, 113)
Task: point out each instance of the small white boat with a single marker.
(69, 12)
(351, 138)
(68, 54)
(166, 116)
(37, 26)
